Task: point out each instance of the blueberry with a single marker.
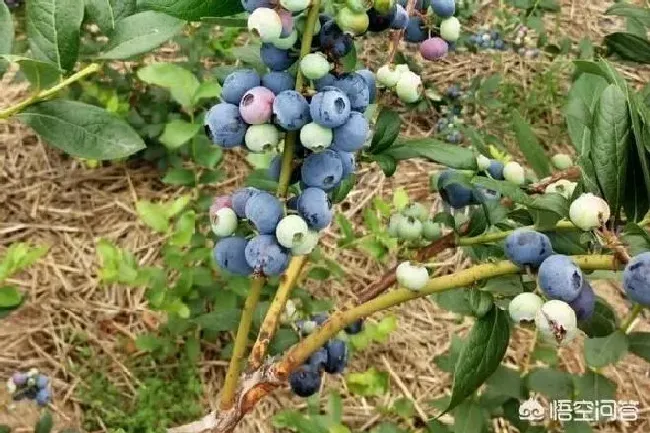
(315, 208)
(42, 381)
(318, 359)
(322, 170)
(264, 210)
(286, 18)
(291, 231)
(291, 110)
(316, 137)
(524, 307)
(220, 202)
(305, 381)
(559, 278)
(482, 195)
(416, 30)
(434, 49)
(585, 303)
(499, 44)
(496, 169)
(354, 327)
(371, 82)
(330, 108)
(356, 89)
(237, 83)
(265, 255)
(409, 228)
(556, 322)
(636, 279)
(225, 126)
(328, 80)
(337, 356)
(275, 58)
(450, 29)
(266, 24)
(349, 163)
(378, 22)
(240, 198)
(256, 105)
(443, 8)
(43, 397)
(275, 167)
(333, 41)
(419, 4)
(223, 222)
(320, 318)
(251, 5)
(400, 19)
(456, 195)
(229, 254)
(528, 248)
(352, 135)
(19, 379)
(278, 82)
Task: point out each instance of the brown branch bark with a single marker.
(571, 173)
(398, 35)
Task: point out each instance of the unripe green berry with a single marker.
(409, 229)
(432, 231)
(316, 137)
(354, 22)
(384, 6)
(556, 322)
(291, 231)
(450, 29)
(589, 212)
(409, 87)
(359, 5)
(262, 138)
(524, 307)
(309, 242)
(223, 222)
(388, 75)
(482, 162)
(514, 173)
(393, 224)
(563, 187)
(416, 210)
(561, 161)
(295, 5)
(286, 43)
(412, 277)
(314, 66)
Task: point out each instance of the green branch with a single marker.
(494, 237)
(629, 320)
(46, 94)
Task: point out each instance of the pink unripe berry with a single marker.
(287, 22)
(221, 202)
(434, 49)
(256, 106)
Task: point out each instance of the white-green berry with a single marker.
(409, 229)
(409, 87)
(266, 24)
(524, 307)
(412, 277)
(402, 68)
(262, 138)
(295, 5)
(291, 231)
(316, 137)
(309, 242)
(563, 187)
(514, 173)
(286, 43)
(561, 161)
(416, 210)
(431, 230)
(393, 224)
(359, 5)
(351, 21)
(556, 322)
(450, 29)
(482, 162)
(314, 66)
(589, 211)
(223, 222)
(388, 75)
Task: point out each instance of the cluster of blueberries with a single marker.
(414, 224)
(487, 39)
(457, 195)
(31, 385)
(448, 124)
(331, 358)
(523, 42)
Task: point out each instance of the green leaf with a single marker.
(387, 163)
(603, 351)
(343, 189)
(148, 342)
(583, 97)
(82, 130)
(629, 46)
(506, 381)
(481, 355)
(140, 33)
(507, 285)
(226, 22)
(177, 206)
(609, 142)
(456, 301)
(480, 302)
(18, 257)
(219, 321)
(636, 239)
(6, 34)
(41, 75)
(45, 423)
(184, 229)
(182, 84)
(594, 387)
(153, 215)
(434, 150)
(636, 202)
(629, 11)
(335, 407)
(206, 154)
(602, 323)
(194, 10)
(9, 297)
(469, 417)
(554, 384)
(386, 130)
(206, 90)
(529, 145)
(369, 383)
(53, 29)
(106, 13)
(400, 199)
(639, 344)
(178, 132)
(5, 428)
(284, 338)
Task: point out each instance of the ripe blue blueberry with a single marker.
(330, 108)
(43, 397)
(585, 303)
(42, 381)
(237, 83)
(305, 381)
(455, 194)
(240, 198)
(636, 279)
(322, 170)
(328, 80)
(560, 278)
(337, 356)
(266, 256)
(416, 30)
(378, 21)
(496, 169)
(400, 19)
(225, 126)
(371, 82)
(354, 327)
(315, 207)
(356, 89)
(275, 58)
(333, 41)
(251, 5)
(291, 110)
(278, 82)
(482, 195)
(443, 8)
(19, 379)
(318, 359)
(320, 318)
(229, 254)
(352, 135)
(349, 163)
(275, 167)
(528, 248)
(265, 211)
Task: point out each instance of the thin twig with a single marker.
(571, 173)
(398, 35)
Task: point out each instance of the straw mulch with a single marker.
(50, 199)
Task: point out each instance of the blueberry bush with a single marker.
(537, 228)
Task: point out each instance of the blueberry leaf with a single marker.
(602, 351)
(629, 46)
(194, 10)
(386, 130)
(482, 353)
(639, 344)
(182, 84)
(552, 383)
(6, 34)
(10, 297)
(530, 147)
(602, 323)
(433, 150)
(593, 386)
(45, 423)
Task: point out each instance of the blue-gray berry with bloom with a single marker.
(322, 170)
(291, 110)
(528, 248)
(239, 199)
(265, 255)
(636, 279)
(356, 89)
(225, 126)
(560, 278)
(237, 83)
(352, 135)
(337, 356)
(315, 208)
(585, 303)
(305, 381)
(278, 82)
(265, 211)
(330, 108)
(456, 195)
(275, 58)
(230, 254)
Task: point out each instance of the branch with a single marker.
(571, 173)
(260, 383)
(398, 35)
(46, 94)
(241, 342)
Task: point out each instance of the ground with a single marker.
(54, 200)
